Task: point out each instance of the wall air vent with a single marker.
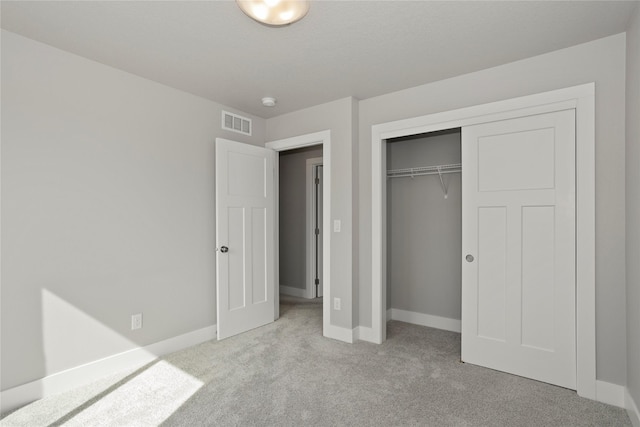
(236, 123)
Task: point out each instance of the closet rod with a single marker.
(427, 170)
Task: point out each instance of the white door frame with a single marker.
(582, 99)
(310, 229)
(318, 138)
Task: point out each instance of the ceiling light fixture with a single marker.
(275, 13)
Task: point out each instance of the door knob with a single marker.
(469, 258)
(224, 249)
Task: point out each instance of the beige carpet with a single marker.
(287, 374)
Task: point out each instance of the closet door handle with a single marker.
(469, 258)
(224, 249)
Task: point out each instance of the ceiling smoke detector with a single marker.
(275, 13)
(268, 101)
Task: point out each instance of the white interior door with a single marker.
(518, 228)
(245, 205)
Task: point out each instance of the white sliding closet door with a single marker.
(518, 228)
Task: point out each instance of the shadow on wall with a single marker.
(68, 330)
(158, 388)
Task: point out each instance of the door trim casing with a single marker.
(318, 138)
(582, 99)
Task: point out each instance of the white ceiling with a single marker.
(342, 48)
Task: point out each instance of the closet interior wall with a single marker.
(424, 229)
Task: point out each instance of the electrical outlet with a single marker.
(336, 303)
(136, 321)
(336, 226)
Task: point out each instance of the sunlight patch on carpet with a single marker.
(147, 399)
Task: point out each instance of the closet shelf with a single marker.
(427, 170)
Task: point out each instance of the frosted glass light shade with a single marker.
(275, 13)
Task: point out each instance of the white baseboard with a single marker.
(632, 408)
(364, 333)
(92, 371)
(422, 319)
(294, 292)
(609, 393)
(338, 333)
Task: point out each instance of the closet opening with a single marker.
(300, 205)
(424, 229)
(521, 156)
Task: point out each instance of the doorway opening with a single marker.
(319, 139)
(300, 224)
(424, 229)
(580, 99)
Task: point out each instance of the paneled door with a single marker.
(518, 228)
(245, 206)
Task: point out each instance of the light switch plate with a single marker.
(336, 225)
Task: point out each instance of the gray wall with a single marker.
(97, 223)
(601, 61)
(107, 210)
(338, 117)
(293, 215)
(424, 230)
(633, 206)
